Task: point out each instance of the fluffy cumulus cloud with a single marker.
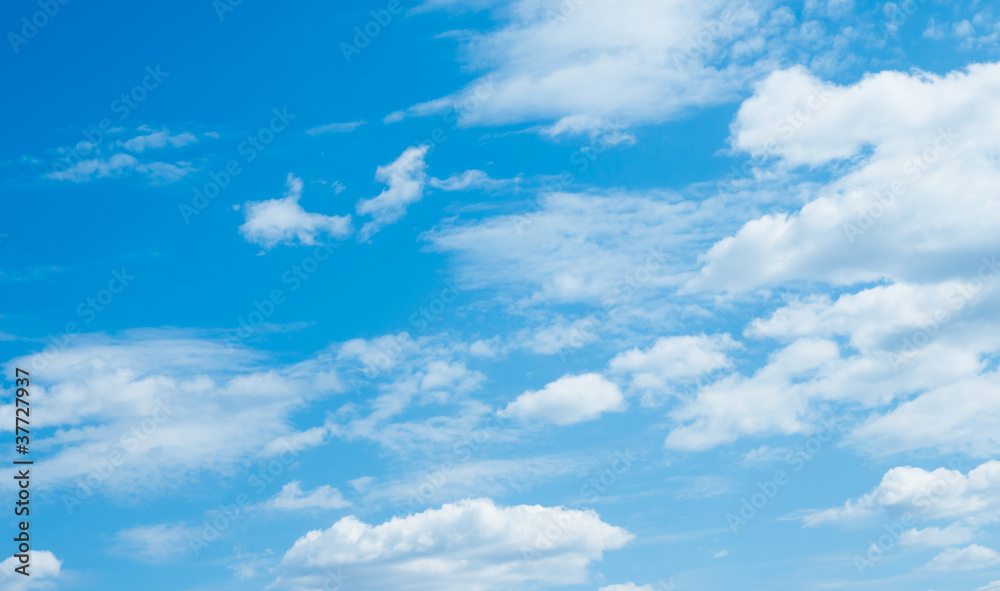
(913, 157)
(564, 63)
(139, 411)
(973, 557)
(772, 401)
(284, 221)
(44, 571)
(927, 495)
(912, 364)
(568, 400)
(405, 179)
(472, 545)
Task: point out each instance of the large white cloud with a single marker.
(926, 495)
(568, 400)
(914, 172)
(973, 557)
(138, 411)
(472, 545)
(45, 568)
(578, 66)
(284, 221)
(586, 247)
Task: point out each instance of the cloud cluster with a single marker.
(284, 221)
(472, 545)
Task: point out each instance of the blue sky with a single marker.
(461, 295)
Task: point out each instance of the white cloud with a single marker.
(936, 537)
(568, 63)
(570, 247)
(974, 557)
(293, 498)
(139, 412)
(405, 179)
(430, 373)
(155, 543)
(568, 400)
(769, 402)
(45, 567)
(926, 495)
(335, 128)
(558, 336)
(284, 221)
(896, 144)
(119, 165)
(627, 587)
(158, 139)
(673, 362)
(472, 545)
(470, 179)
